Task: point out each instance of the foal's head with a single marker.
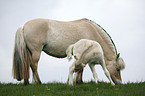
(114, 67)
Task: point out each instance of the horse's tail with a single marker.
(69, 52)
(21, 57)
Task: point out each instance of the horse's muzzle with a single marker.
(118, 82)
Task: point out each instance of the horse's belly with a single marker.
(57, 46)
(56, 51)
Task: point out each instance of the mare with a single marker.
(53, 37)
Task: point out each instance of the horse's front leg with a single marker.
(107, 72)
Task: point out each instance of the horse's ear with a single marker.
(118, 55)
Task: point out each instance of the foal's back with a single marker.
(88, 51)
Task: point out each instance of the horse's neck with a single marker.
(106, 43)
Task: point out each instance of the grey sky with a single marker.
(122, 19)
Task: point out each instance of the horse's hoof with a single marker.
(26, 82)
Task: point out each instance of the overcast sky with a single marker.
(124, 20)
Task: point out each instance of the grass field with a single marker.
(85, 89)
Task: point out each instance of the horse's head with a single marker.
(114, 67)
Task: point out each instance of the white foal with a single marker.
(86, 52)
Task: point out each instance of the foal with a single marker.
(86, 52)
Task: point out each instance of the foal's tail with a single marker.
(21, 57)
(69, 52)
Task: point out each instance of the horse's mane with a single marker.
(106, 35)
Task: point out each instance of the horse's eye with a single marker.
(117, 69)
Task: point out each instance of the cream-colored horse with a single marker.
(53, 37)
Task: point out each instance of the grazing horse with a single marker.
(53, 37)
(86, 52)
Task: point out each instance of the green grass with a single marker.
(85, 89)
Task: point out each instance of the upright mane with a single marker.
(106, 35)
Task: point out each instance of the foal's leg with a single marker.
(74, 80)
(92, 67)
(35, 58)
(78, 77)
(107, 72)
(71, 71)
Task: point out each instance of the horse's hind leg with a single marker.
(34, 65)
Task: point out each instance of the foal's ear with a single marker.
(118, 55)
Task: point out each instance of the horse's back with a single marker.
(53, 37)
